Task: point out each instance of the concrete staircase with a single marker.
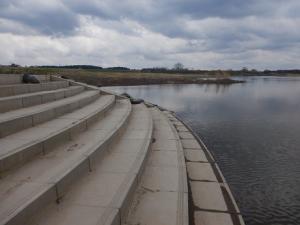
(73, 154)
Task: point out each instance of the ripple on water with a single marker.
(253, 130)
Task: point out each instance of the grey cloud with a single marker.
(54, 20)
(159, 16)
(196, 32)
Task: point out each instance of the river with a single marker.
(253, 130)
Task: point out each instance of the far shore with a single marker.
(102, 77)
(124, 78)
(115, 80)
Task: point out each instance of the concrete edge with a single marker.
(182, 218)
(62, 181)
(90, 87)
(227, 194)
(21, 122)
(33, 148)
(30, 99)
(17, 89)
(123, 199)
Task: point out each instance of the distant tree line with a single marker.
(177, 68)
(74, 67)
(89, 67)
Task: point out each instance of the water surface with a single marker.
(253, 130)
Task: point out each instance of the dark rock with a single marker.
(133, 100)
(64, 77)
(136, 101)
(126, 95)
(29, 78)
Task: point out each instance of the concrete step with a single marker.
(18, 89)
(14, 121)
(211, 200)
(103, 194)
(18, 78)
(47, 176)
(16, 149)
(162, 195)
(36, 98)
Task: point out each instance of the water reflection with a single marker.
(253, 129)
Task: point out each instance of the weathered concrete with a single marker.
(11, 122)
(20, 147)
(27, 100)
(185, 135)
(86, 159)
(18, 78)
(210, 218)
(161, 197)
(193, 155)
(201, 171)
(207, 184)
(107, 187)
(18, 89)
(208, 195)
(59, 167)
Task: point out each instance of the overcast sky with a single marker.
(205, 34)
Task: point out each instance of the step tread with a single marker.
(17, 89)
(162, 191)
(38, 93)
(28, 84)
(15, 102)
(43, 107)
(17, 141)
(20, 186)
(18, 78)
(101, 194)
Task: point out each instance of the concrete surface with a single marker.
(201, 171)
(195, 155)
(87, 158)
(17, 120)
(103, 188)
(36, 98)
(160, 195)
(210, 218)
(18, 89)
(18, 148)
(209, 206)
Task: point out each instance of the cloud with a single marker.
(141, 33)
(48, 17)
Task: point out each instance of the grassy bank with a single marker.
(104, 78)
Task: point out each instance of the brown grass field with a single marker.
(104, 78)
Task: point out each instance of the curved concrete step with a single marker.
(18, 89)
(47, 177)
(36, 98)
(18, 148)
(14, 121)
(18, 78)
(162, 195)
(211, 200)
(103, 195)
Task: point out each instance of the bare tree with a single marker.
(178, 66)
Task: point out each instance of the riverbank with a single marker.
(252, 131)
(128, 78)
(131, 79)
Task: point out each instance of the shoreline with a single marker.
(136, 82)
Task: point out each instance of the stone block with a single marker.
(190, 143)
(208, 195)
(195, 155)
(201, 171)
(32, 100)
(43, 116)
(10, 104)
(212, 218)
